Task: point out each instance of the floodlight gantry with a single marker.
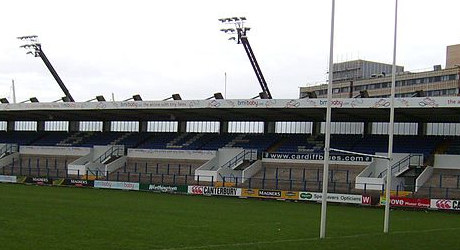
(241, 38)
(35, 48)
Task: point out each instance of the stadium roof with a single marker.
(423, 109)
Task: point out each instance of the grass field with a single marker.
(33, 217)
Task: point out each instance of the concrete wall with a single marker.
(251, 170)
(53, 150)
(423, 177)
(447, 161)
(171, 154)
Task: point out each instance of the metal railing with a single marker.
(60, 172)
(114, 150)
(405, 162)
(8, 148)
(240, 157)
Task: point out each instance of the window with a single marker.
(293, 127)
(56, 125)
(124, 126)
(91, 126)
(203, 127)
(245, 127)
(162, 126)
(25, 126)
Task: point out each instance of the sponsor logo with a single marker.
(269, 193)
(164, 189)
(456, 205)
(366, 200)
(290, 194)
(7, 178)
(340, 198)
(443, 204)
(224, 191)
(316, 156)
(406, 202)
(197, 190)
(79, 182)
(306, 196)
(250, 191)
(38, 180)
(116, 185)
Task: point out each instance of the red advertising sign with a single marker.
(407, 202)
(366, 200)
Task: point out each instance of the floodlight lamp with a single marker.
(263, 95)
(33, 99)
(137, 98)
(218, 95)
(100, 98)
(176, 97)
(4, 100)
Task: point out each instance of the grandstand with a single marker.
(268, 144)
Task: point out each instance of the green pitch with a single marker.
(33, 217)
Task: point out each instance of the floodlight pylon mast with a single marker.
(242, 38)
(35, 48)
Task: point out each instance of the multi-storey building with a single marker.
(351, 78)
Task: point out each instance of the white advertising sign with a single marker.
(8, 178)
(116, 185)
(340, 198)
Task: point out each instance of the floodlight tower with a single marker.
(240, 30)
(35, 48)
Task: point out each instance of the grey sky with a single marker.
(156, 48)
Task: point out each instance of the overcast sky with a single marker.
(157, 48)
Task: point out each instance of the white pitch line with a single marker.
(310, 239)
